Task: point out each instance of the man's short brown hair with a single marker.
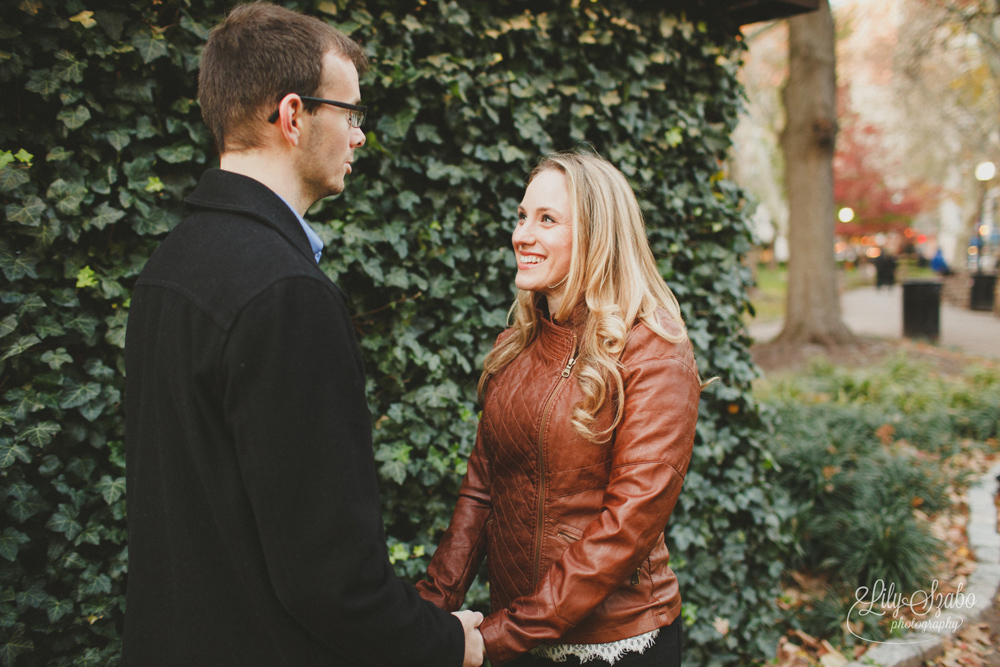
(257, 55)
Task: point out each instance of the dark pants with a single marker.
(665, 652)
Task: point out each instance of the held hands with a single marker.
(473, 640)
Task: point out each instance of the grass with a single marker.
(768, 295)
(875, 461)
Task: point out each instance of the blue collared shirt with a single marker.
(314, 241)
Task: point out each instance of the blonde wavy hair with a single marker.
(612, 271)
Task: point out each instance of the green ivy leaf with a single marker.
(149, 46)
(111, 489)
(73, 561)
(14, 646)
(44, 82)
(91, 535)
(116, 329)
(93, 409)
(79, 394)
(117, 455)
(86, 277)
(40, 434)
(56, 609)
(394, 470)
(199, 30)
(25, 501)
(11, 452)
(396, 127)
(511, 153)
(95, 586)
(74, 118)
(7, 325)
(58, 154)
(71, 70)
(29, 212)
(23, 402)
(28, 303)
(119, 139)
(33, 597)
(106, 215)
(46, 233)
(157, 222)
(177, 154)
(22, 344)
(67, 196)
(64, 521)
(84, 323)
(84, 18)
(10, 542)
(12, 178)
(56, 358)
(16, 265)
(48, 326)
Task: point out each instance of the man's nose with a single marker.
(358, 139)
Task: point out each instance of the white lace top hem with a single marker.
(611, 652)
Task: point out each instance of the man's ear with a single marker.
(290, 112)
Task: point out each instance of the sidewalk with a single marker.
(870, 312)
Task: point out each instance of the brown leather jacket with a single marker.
(572, 530)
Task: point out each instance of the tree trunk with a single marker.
(812, 312)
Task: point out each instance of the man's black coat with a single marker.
(255, 531)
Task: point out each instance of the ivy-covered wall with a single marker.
(100, 140)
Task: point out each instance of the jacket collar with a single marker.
(560, 338)
(220, 190)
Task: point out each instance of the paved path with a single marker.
(870, 312)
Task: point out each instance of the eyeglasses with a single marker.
(355, 116)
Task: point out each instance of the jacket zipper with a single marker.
(540, 526)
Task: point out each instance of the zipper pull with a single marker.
(572, 360)
(635, 576)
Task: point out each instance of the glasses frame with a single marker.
(356, 108)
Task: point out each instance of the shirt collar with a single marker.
(314, 241)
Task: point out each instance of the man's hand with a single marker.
(473, 640)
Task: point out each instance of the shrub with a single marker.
(860, 450)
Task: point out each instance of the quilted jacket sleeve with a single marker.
(650, 457)
(463, 546)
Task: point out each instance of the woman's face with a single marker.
(543, 238)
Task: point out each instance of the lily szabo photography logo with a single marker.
(918, 617)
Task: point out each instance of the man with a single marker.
(255, 532)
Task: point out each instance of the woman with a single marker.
(589, 407)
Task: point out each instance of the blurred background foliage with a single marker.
(101, 138)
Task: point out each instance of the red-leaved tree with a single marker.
(881, 196)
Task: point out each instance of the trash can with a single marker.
(983, 289)
(922, 309)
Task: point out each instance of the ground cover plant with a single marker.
(877, 459)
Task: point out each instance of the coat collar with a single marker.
(220, 190)
(560, 339)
